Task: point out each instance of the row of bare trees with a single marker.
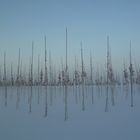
(49, 76)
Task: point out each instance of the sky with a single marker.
(89, 21)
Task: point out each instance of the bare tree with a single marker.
(18, 69)
(32, 63)
(46, 75)
(131, 76)
(5, 77)
(12, 77)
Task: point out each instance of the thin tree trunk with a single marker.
(18, 69)
(5, 78)
(32, 63)
(131, 76)
(46, 76)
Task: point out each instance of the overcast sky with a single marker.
(89, 21)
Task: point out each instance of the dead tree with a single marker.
(46, 74)
(110, 75)
(32, 63)
(131, 76)
(125, 75)
(4, 76)
(18, 70)
(83, 74)
(12, 77)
